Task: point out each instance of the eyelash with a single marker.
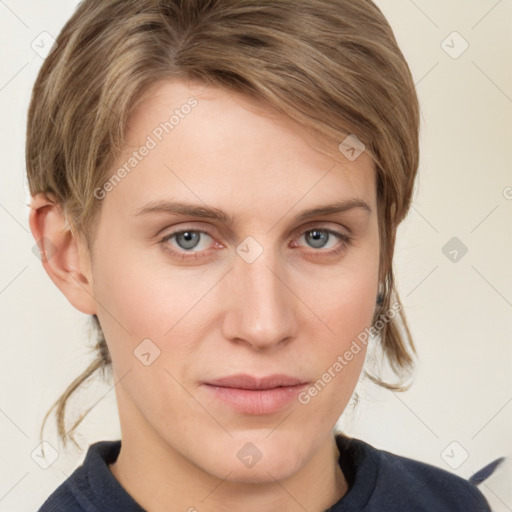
(346, 241)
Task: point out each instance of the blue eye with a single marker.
(187, 240)
(319, 237)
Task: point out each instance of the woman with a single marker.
(219, 184)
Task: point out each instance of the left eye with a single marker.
(188, 238)
(319, 236)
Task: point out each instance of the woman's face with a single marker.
(255, 290)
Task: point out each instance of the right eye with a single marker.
(186, 239)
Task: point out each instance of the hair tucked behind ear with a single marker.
(333, 66)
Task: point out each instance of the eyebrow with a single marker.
(209, 212)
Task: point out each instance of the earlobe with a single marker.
(61, 252)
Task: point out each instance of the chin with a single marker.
(257, 457)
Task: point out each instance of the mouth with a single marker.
(256, 395)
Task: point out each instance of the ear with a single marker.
(65, 259)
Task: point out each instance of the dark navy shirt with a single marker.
(378, 481)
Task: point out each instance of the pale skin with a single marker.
(292, 311)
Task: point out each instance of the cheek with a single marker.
(337, 356)
(353, 308)
(342, 302)
(126, 305)
(346, 307)
(141, 300)
(343, 306)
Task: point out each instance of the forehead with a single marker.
(214, 145)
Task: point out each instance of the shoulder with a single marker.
(91, 486)
(61, 500)
(401, 483)
(432, 485)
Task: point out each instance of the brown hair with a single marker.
(333, 66)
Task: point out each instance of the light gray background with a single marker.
(459, 312)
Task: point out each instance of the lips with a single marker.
(243, 381)
(255, 395)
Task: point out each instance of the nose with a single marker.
(261, 309)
